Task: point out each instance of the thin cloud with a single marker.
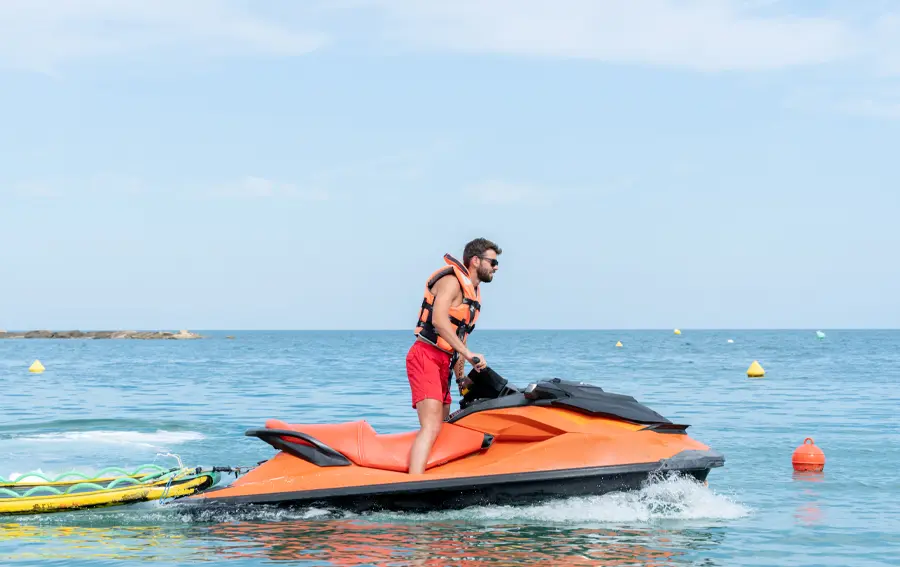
(261, 187)
(101, 184)
(867, 99)
(113, 185)
(32, 189)
(44, 34)
(886, 45)
(503, 193)
(873, 108)
(700, 35)
(705, 35)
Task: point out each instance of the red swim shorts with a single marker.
(428, 370)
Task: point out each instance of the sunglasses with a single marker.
(494, 262)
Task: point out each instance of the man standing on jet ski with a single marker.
(448, 313)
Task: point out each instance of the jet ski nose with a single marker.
(694, 459)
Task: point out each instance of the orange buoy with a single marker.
(808, 457)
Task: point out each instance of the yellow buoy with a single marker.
(677, 332)
(36, 366)
(755, 370)
(619, 343)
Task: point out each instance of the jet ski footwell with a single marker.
(554, 439)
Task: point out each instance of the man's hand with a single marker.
(463, 382)
(477, 360)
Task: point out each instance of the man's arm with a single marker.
(460, 367)
(446, 291)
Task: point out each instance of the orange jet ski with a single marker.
(554, 438)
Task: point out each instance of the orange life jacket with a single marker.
(463, 316)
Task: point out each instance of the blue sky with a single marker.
(304, 165)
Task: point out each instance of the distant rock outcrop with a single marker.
(147, 335)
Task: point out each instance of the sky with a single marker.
(305, 165)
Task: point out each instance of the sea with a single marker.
(126, 403)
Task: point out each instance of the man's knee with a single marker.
(431, 415)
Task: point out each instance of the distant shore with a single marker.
(145, 335)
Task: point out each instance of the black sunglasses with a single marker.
(494, 262)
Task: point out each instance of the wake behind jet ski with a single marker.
(554, 438)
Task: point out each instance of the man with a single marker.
(449, 310)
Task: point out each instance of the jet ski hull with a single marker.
(554, 439)
(456, 493)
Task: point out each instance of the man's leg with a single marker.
(430, 418)
(424, 368)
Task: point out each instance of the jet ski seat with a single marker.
(364, 447)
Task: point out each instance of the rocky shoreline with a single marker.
(146, 335)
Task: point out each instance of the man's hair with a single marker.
(478, 247)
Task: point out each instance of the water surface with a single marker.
(125, 403)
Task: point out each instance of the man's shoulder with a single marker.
(448, 283)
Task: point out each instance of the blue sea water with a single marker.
(119, 402)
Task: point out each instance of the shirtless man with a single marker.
(449, 310)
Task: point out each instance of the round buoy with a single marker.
(36, 367)
(755, 370)
(808, 457)
(677, 331)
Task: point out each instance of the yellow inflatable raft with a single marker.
(35, 493)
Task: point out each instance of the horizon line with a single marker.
(500, 329)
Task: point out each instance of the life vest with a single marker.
(463, 316)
